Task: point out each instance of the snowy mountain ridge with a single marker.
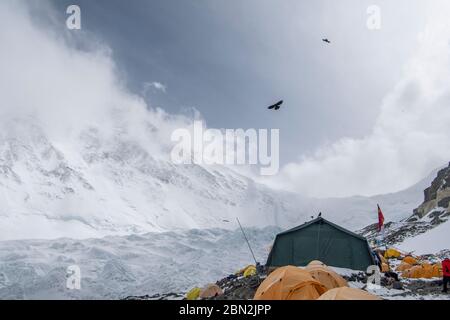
(425, 230)
(96, 185)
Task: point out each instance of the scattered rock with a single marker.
(166, 296)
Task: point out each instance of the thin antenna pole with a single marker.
(248, 243)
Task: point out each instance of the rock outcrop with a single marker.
(437, 196)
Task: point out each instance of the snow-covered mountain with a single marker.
(424, 232)
(95, 185)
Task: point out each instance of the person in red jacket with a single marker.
(446, 273)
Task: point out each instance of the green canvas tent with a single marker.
(321, 240)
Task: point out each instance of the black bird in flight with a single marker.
(326, 40)
(276, 106)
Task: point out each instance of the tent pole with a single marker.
(318, 243)
(248, 243)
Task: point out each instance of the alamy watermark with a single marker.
(73, 22)
(374, 278)
(374, 17)
(73, 281)
(230, 146)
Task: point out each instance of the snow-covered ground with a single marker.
(117, 267)
(432, 241)
(137, 265)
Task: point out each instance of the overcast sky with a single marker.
(230, 59)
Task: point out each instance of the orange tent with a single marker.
(437, 270)
(316, 263)
(404, 266)
(427, 270)
(385, 267)
(326, 276)
(346, 293)
(210, 290)
(289, 283)
(415, 272)
(410, 260)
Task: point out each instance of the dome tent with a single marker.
(210, 291)
(326, 276)
(289, 283)
(346, 293)
(317, 263)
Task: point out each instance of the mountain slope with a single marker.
(94, 185)
(432, 241)
(425, 230)
(97, 187)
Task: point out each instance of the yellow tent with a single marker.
(326, 276)
(241, 271)
(193, 294)
(392, 253)
(410, 260)
(250, 271)
(404, 266)
(346, 293)
(289, 283)
(210, 290)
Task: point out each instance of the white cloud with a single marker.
(153, 85)
(411, 135)
(68, 90)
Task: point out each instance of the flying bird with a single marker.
(326, 40)
(276, 106)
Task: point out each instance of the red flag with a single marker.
(380, 219)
